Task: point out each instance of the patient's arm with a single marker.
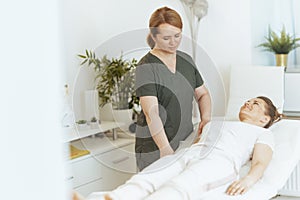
(262, 156)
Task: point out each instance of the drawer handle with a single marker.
(120, 160)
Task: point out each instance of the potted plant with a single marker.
(114, 81)
(281, 45)
(94, 122)
(82, 124)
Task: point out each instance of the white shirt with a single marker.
(236, 139)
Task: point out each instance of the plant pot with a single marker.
(281, 59)
(94, 125)
(123, 117)
(82, 126)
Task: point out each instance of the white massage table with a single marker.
(285, 158)
(246, 83)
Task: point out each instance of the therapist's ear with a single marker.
(153, 37)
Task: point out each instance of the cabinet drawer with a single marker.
(87, 189)
(86, 170)
(121, 159)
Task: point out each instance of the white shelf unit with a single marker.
(110, 163)
(75, 133)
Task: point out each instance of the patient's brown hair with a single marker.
(162, 15)
(271, 111)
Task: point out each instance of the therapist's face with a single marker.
(168, 38)
(254, 111)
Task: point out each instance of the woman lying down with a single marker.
(213, 163)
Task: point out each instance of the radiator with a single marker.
(292, 186)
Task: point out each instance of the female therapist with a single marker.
(167, 80)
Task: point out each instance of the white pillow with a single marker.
(247, 82)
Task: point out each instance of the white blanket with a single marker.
(286, 156)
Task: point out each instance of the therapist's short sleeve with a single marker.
(145, 81)
(267, 138)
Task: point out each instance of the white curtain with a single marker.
(274, 13)
(296, 17)
(286, 12)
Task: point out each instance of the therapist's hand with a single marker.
(166, 151)
(201, 125)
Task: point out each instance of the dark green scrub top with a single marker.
(175, 93)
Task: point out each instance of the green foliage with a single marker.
(82, 121)
(280, 44)
(114, 79)
(93, 119)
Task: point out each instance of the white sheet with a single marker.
(286, 156)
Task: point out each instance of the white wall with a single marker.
(32, 160)
(88, 24)
(229, 34)
(225, 33)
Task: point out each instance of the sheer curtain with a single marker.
(295, 7)
(286, 12)
(274, 13)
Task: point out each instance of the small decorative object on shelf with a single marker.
(281, 45)
(94, 123)
(94, 119)
(82, 124)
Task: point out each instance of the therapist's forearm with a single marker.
(204, 103)
(157, 131)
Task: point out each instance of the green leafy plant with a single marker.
(280, 44)
(82, 121)
(114, 79)
(94, 119)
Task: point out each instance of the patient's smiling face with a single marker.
(254, 112)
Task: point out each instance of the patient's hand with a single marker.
(107, 197)
(240, 186)
(77, 196)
